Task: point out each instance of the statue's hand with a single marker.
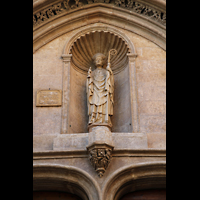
(89, 72)
(108, 66)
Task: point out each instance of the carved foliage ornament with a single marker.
(100, 159)
(67, 5)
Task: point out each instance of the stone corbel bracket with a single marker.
(100, 156)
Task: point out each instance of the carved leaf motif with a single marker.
(156, 15)
(50, 12)
(100, 158)
(118, 2)
(123, 3)
(77, 4)
(98, 1)
(34, 20)
(66, 4)
(43, 15)
(139, 7)
(148, 11)
(58, 8)
(90, 1)
(38, 18)
(130, 4)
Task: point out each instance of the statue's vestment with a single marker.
(100, 92)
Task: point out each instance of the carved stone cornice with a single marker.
(145, 9)
(52, 154)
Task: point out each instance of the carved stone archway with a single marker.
(52, 19)
(133, 178)
(52, 177)
(73, 56)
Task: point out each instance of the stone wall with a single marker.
(150, 83)
(100, 164)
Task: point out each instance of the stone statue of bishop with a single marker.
(100, 92)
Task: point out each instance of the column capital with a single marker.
(66, 57)
(132, 56)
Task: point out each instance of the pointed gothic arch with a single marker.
(133, 178)
(54, 177)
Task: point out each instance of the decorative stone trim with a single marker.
(65, 178)
(100, 156)
(134, 177)
(43, 155)
(67, 5)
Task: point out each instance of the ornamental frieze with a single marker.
(68, 5)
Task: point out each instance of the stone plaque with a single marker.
(49, 98)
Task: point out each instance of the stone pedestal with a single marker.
(100, 147)
(99, 134)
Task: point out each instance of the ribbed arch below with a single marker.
(134, 178)
(65, 179)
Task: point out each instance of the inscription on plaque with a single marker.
(49, 98)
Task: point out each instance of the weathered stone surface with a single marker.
(152, 107)
(129, 140)
(77, 120)
(151, 53)
(44, 82)
(71, 142)
(153, 79)
(156, 140)
(47, 120)
(43, 142)
(151, 66)
(100, 135)
(153, 123)
(79, 141)
(152, 93)
(122, 121)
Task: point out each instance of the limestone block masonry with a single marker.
(72, 152)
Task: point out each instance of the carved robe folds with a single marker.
(100, 93)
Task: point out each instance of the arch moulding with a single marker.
(135, 177)
(54, 177)
(98, 13)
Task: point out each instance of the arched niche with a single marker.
(65, 179)
(132, 178)
(77, 57)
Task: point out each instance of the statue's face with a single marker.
(99, 61)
